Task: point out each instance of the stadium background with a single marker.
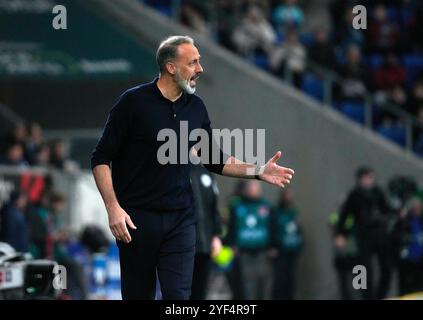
(67, 80)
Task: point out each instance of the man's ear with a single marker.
(171, 67)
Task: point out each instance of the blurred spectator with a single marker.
(14, 223)
(43, 156)
(389, 74)
(353, 83)
(17, 135)
(345, 255)
(34, 141)
(416, 98)
(289, 56)
(39, 226)
(287, 240)
(411, 254)
(193, 17)
(368, 206)
(401, 190)
(15, 156)
(227, 13)
(384, 34)
(254, 33)
(249, 234)
(59, 233)
(322, 51)
(346, 35)
(397, 96)
(59, 158)
(288, 15)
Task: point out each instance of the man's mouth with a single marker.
(193, 80)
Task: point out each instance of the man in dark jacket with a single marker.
(368, 206)
(208, 228)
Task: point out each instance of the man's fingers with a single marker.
(276, 157)
(123, 232)
(129, 222)
(114, 233)
(289, 171)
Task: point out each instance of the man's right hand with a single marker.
(340, 242)
(118, 219)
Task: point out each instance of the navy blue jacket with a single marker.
(129, 144)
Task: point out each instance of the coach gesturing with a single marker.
(150, 204)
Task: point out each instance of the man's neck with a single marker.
(169, 89)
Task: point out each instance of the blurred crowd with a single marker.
(289, 38)
(266, 240)
(25, 147)
(254, 245)
(33, 215)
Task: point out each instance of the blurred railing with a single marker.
(84, 205)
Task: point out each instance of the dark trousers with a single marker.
(284, 272)
(200, 280)
(235, 281)
(410, 277)
(344, 266)
(374, 242)
(164, 242)
(256, 274)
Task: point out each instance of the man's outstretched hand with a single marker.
(274, 174)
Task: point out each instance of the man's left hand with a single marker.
(275, 174)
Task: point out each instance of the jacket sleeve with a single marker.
(114, 132)
(346, 209)
(208, 160)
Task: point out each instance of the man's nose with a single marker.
(199, 69)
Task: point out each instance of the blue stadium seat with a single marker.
(261, 61)
(395, 134)
(313, 86)
(375, 61)
(353, 110)
(164, 10)
(414, 65)
(407, 14)
(307, 38)
(393, 14)
(162, 6)
(280, 37)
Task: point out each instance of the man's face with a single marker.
(187, 67)
(253, 189)
(58, 206)
(367, 181)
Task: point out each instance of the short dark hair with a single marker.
(363, 171)
(168, 50)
